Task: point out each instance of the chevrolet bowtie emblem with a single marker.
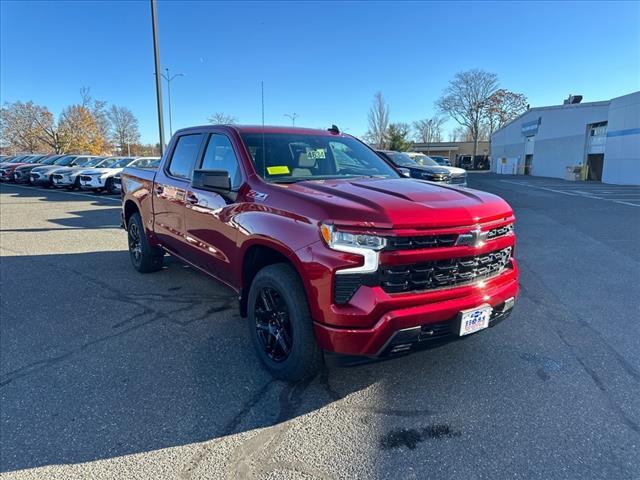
(475, 238)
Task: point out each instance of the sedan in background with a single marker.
(68, 176)
(7, 170)
(22, 173)
(41, 175)
(410, 168)
(102, 179)
(458, 175)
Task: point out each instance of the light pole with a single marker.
(156, 57)
(292, 117)
(168, 78)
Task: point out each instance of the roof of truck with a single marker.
(267, 129)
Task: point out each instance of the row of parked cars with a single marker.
(81, 172)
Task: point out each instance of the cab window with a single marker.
(184, 156)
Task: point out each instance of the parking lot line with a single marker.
(79, 194)
(580, 191)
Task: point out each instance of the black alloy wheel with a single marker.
(273, 324)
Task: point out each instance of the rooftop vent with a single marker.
(573, 99)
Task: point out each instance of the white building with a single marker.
(545, 141)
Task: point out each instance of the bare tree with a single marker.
(378, 133)
(220, 118)
(428, 130)
(124, 127)
(98, 109)
(19, 126)
(466, 100)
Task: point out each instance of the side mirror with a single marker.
(217, 181)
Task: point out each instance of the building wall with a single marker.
(622, 149)
(560, 139)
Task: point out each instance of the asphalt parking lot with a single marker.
(106, 373)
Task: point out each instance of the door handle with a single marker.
(192, 199)
(158, 189)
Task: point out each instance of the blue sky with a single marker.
(323, 61)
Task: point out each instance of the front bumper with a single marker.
(63, 180)
(90, 182)
(21, 177)
(411, 325)
(40, 178)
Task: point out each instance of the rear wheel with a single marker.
(144, 257)
(280, 325)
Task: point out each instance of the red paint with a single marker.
(286, 217)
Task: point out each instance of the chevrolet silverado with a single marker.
(334, 255)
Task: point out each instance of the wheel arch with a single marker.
(258, 255)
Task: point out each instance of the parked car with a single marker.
(22, 173)
(68, 177)
(333, 256)
(147, 163)
(443, 161)
(99, 179)
(458, 175)
(7, 169)
(42, 174)
(411, 168)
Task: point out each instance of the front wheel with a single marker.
(280, 325)
(144, 257)
(110, 186)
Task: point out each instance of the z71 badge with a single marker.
(257, 195)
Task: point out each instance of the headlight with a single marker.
(336, 239)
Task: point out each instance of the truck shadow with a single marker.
(99, 361)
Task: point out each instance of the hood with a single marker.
(12, 166)
(428, 168)
(99, 171)
(395, 203)
(63, 170)
(45, 168)
(455, 170)
(26, 168)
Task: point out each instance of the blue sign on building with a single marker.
(530, 128)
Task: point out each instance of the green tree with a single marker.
(398, 134)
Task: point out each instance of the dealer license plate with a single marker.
(475, 319)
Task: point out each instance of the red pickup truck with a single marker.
(335, 256)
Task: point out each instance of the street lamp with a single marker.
(292, 117)
(168, 78)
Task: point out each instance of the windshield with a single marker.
(402, 159)
(92, 162)
(121, 163)
(290, 158)
(424, 160)
(50, 160)
(34, 159)
(145, 163)
(64, 161)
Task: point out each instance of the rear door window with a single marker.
(184, 156)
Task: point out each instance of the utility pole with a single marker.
(156, 56)
(292, 117)
(168, 78)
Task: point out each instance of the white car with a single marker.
(42, 175)
(458, 175)
(68, 176)
(101, 178)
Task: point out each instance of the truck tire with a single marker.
(280, 324)
(144, 257)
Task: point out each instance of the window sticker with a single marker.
(278, 170)
(317, 154)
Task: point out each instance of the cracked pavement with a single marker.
(107, 373)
